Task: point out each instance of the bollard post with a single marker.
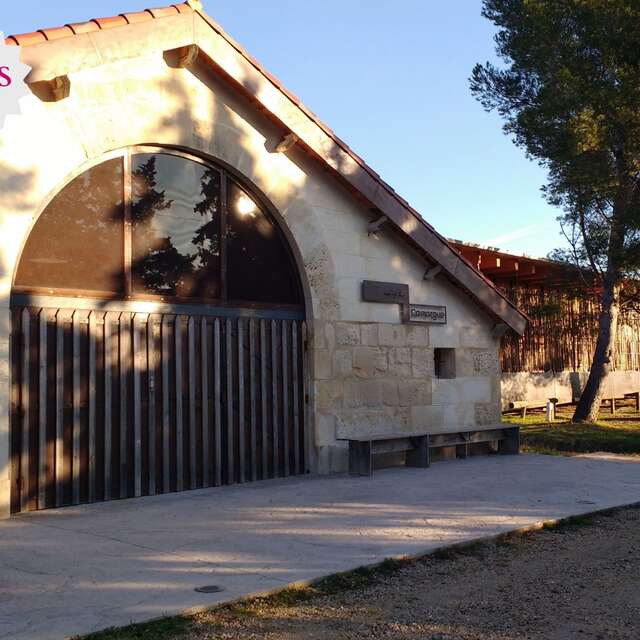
(551, 410)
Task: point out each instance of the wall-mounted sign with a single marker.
(425, 314)
(392, 292)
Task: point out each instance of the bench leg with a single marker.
(462, 451)
(360, 458)
(511, 444)
(419, 457)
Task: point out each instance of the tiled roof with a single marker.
(123, 19)
(96, 24)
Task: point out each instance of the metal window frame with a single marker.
(126, 155)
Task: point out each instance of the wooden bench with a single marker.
(506, 435)
(417, 445)
(362, 449)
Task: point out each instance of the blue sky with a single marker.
(391, 79)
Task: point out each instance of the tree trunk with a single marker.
(589, 404)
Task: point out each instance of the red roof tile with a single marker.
(97, 24)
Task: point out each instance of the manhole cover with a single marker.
(209, 588)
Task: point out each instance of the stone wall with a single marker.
(567, 386)
(378, 378)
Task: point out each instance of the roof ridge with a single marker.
(100, 24)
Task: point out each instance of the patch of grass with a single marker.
(337, 583)
(164, 629)
(618, 433)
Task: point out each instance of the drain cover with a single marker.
(209, 588)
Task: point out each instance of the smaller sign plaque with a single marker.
(425, 314)
(391, 292)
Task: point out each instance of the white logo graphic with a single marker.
(12, 84)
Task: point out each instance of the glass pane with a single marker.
(259, 266)
(176, 227)
(77, 243)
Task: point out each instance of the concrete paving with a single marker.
(80, 569)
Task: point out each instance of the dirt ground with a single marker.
(575, 581)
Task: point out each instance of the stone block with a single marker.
(330, 335)
(392, 335)
(486, 362)
(476, 337)
(400, 362)
(445, 336)
(487, 413)
(328, 394)
(342, 363)
(322, 364)
(362, 393)
(417, 336)
(369, 362)
(460, 390)
(390, 393)
(325, 429)
(414, 392)
(422, 365)
(347, 333)
(372, 421)
(459, 416)
(319, 339)
(369, 335)
(427, 418)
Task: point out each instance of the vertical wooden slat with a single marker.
(92, 406)
(204, 372)
(264, 418)
(59, 449)
(229, 390)
(166, 476)
(26, 371)
(274, 399)
(285, 396)
(153, 334)
(305, 432)
(241, 402)
(77, 380)
(179, 421)
(217, 406)
(137, 406)
(192, 403)
(252, 391)
(296, 397)
(42, 410)
(110, 357)
(125, 352)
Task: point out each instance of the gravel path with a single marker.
(572, 582)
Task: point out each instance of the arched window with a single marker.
(159, 225)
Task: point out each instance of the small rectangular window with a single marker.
(444, 362)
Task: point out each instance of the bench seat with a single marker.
(417, 445)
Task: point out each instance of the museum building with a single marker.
(201, 284)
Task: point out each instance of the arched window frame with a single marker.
(126, 154)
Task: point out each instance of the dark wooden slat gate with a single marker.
(115, 404)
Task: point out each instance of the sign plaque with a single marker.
(425, 314)
(391, 292)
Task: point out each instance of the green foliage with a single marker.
(569, 93)
(164, 629)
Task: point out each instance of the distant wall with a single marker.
(566, 386)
